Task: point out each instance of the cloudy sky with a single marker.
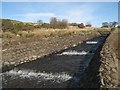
(94, 12)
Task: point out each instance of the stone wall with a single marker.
(102, 71)
(91, 78)
(109, 62)
(18, 53)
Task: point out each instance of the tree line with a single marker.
(110, 24)
(14, 26)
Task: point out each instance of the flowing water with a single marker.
(55, 71)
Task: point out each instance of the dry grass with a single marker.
(50, 32)
(7, 35)
(59, 32)
(114, 42)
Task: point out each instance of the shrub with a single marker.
(112, 29)
(104, 31)
(22, 33)
(7, 35)
(30, 35)
(81, 25)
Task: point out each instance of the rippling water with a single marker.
(91, 42)
(73, 52)
(38, 75)
(57, 70)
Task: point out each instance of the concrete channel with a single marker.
(58, 70)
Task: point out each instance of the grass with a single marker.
(44, 33)
(7, 35)
(104, 31)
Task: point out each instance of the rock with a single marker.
(112, 63)
(12, 63)
(102, 82)
(108, 68)
(21, 62)
(114, 70)
(101, 69)
(109, 78)
(114, 76)
(6, 63)
(115, 82)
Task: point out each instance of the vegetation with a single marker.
(81, 25)
(104, 31)
(15, 26)
(12, 28)
(88, 24)
(109, 24)
(55, 23)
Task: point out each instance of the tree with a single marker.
(81, 25)
(105, 24)
(7, 25)
(45, 25)
(53, 22)
(88, 24)
(63, 23)
(112, 24)
(73, 24)
(39, 22)
(19, 26)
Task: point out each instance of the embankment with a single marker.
(102, 71)
(16, 52)
(109, 62)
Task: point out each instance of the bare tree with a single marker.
(64, 23)
(53, 22)
(112, 24)
(105, 24)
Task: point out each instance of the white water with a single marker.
(73, 53)
(91, 42)
(38, 75)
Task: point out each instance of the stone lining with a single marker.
(109, 64)
(102, 72)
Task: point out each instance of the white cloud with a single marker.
(83, 13)
(35, 16)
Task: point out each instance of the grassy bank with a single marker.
(52, 33)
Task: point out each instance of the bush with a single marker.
(8, 35)
(81, 25)
(104, 32)
(22, 33)
(112, 29)
(30, 35)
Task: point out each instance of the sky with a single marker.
(79, 12)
